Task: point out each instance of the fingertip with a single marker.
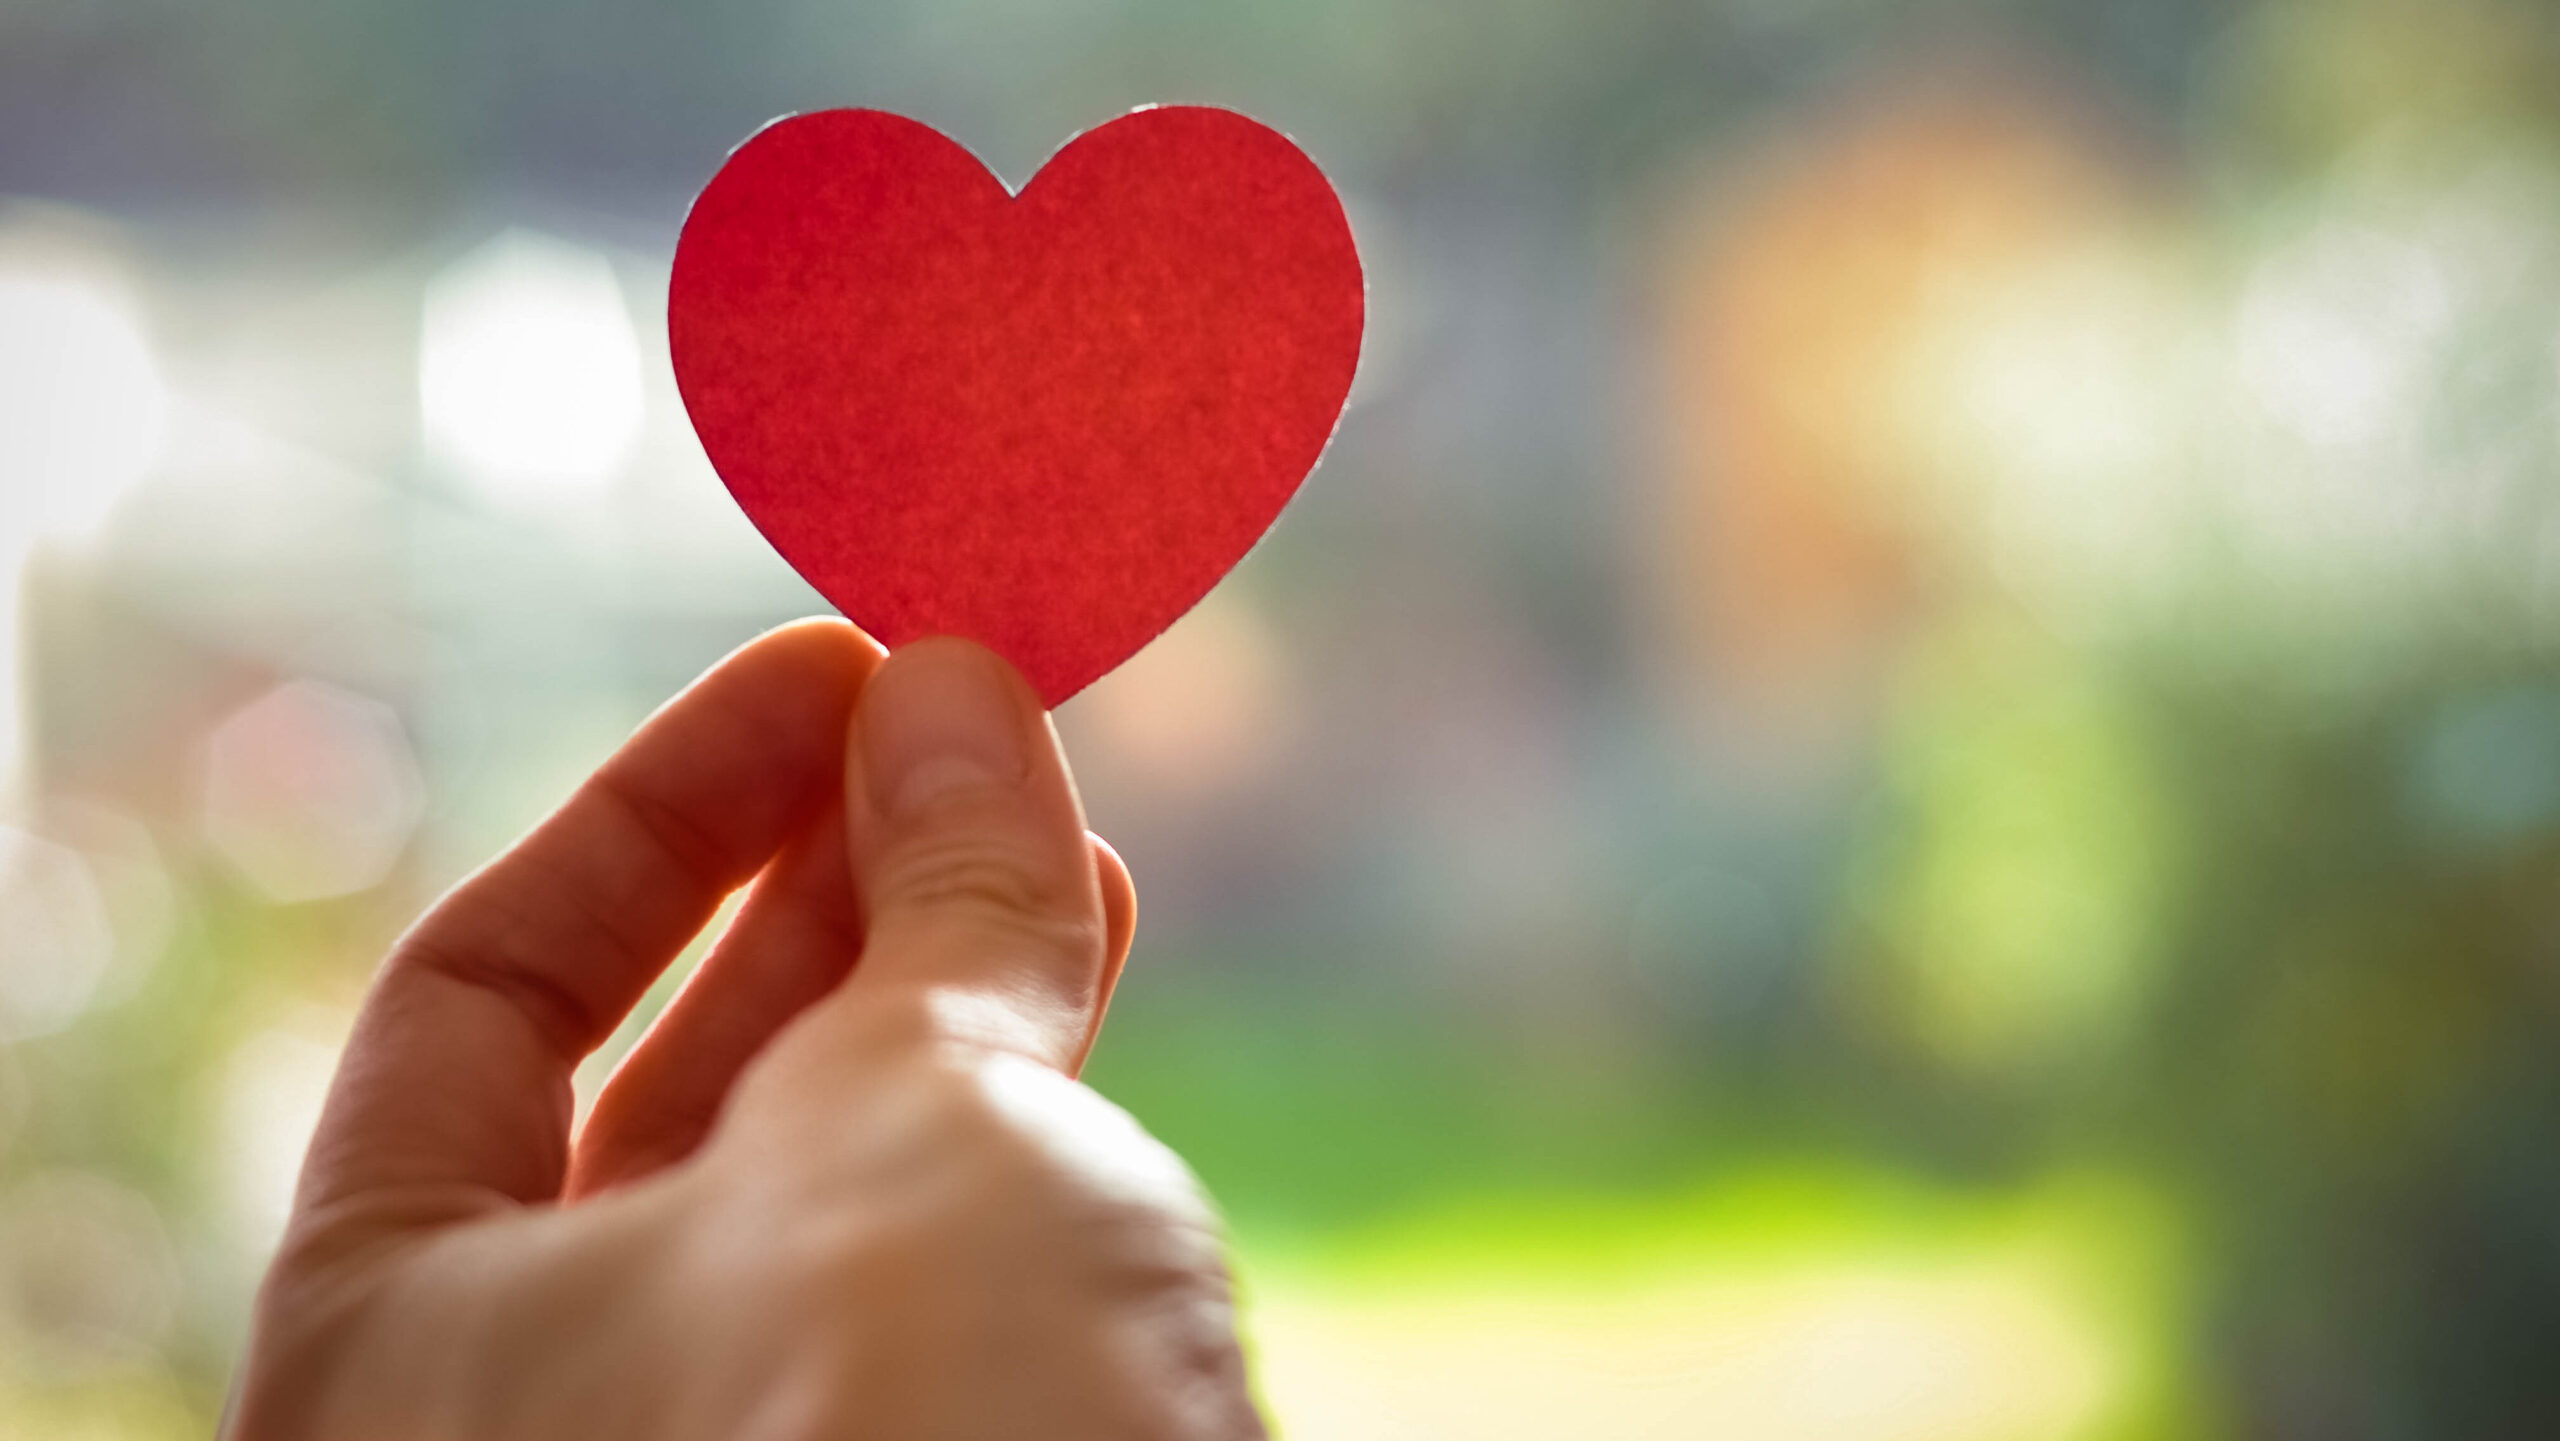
(944, 717)
(823, 659)
(821, 639)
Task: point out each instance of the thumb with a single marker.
(970, 854)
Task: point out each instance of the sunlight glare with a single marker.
(529, 371)
(82, 408)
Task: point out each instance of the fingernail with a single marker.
(941, 716)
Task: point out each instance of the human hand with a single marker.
(824, 1197)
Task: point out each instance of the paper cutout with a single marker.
(1048, 422)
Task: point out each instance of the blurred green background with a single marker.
(1901, 779)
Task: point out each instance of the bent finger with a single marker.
(458, 1071)
(792, 942)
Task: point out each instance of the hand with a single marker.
(824, 1197)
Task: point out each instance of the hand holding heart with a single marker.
(845, 1186)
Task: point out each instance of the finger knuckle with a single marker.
(993, 883)
(1198, 1374)
(965, 868)
(997, 1135)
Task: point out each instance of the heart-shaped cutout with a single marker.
(1048, 421)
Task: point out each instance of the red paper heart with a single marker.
(1050, 421)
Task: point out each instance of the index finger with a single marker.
(457, 1077)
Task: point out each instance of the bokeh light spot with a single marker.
(273, 1087)
(529, 371)
(82, 407)
(85, 1265)
(2335, 335)
(56, 938)
(310, 791)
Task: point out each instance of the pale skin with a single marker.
(846, 1186)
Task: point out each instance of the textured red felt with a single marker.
(1050, 421)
